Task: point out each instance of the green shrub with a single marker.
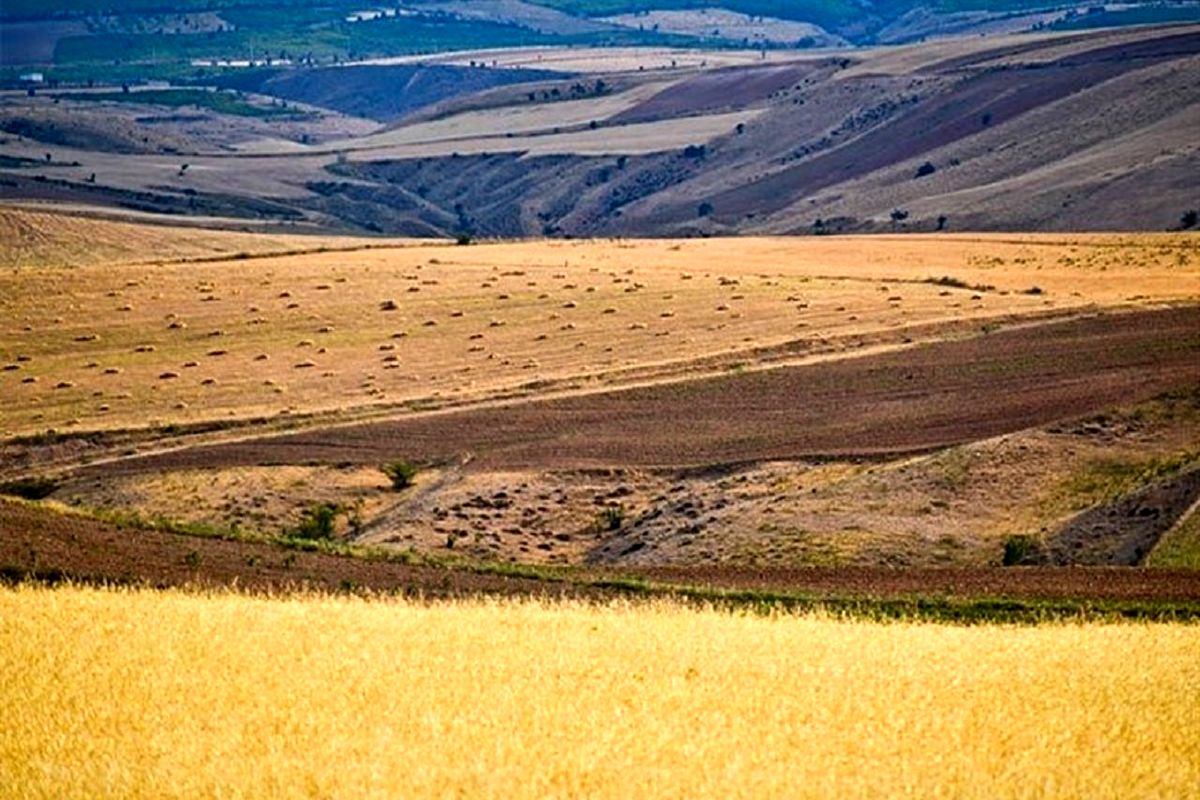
(1020, 549)
(317, 522)
(29, 488)
(400, 473)
(611, 518)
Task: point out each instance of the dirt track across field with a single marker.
(905, 401)
(46, 544)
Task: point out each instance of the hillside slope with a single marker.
(1099, 137)
(1081, 131)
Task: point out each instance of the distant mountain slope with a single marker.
(870, 21)
(1091, 133)
(382, 93)
(1084, 131)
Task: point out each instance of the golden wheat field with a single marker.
(132, 694)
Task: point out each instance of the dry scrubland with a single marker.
(987, 336)
(142, 694)
(106, 343)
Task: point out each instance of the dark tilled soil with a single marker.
(39, 542)
(906, 401)
(719, 89)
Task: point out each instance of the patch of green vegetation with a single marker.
(400, 473)
(1177, 406)
(38, 9)
(924, 608)
(1140, 15)
(942, 610)
(1108, 480)
(20, 162)
(287, 36)
(955, 283)
(114, 74)
(52, 436)
(317, 522)
(316, 34)
(995, 6)
(611, 518)
(35, 488)
(810, 549)
(951, 469)
(126, 518)
(1020, 549)
(293, 539)
(220, 102)
(1180, 547)
(823, 12)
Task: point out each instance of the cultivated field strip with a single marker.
(222, 331)
(912, 400)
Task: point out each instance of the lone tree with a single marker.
(1189, 219)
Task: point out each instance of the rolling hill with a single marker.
(1072, 131)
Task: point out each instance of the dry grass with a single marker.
(142, 694)
(905, 59)
(627, 138)
(604, 59)
(556, 128)
(256, 499)
(35, 238)
(112, 344)
(1180, 546)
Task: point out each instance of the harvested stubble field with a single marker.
(906, 401)
(45, 237)
(144, 694)
(109, 344)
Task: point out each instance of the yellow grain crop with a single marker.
(136, 694)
